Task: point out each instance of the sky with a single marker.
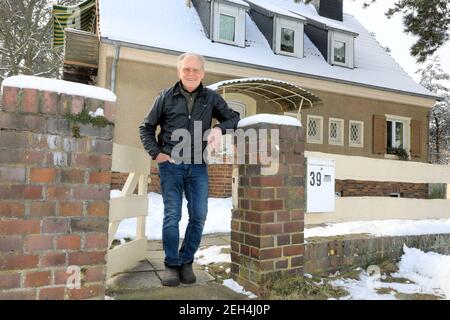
(389, 32)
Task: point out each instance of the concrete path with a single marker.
(143, 281)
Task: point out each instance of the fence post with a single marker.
(268, 222)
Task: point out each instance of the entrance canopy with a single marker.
(287, 95)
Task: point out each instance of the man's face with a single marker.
(191, 73)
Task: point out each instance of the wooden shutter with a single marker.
(379, 134)
(415, 138)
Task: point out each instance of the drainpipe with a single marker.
(211, 22)
(114, 68)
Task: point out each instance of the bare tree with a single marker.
(26, 39)
(433, 78)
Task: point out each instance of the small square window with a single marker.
(356, 134)
(287, 40)
(336, 131)
(339, 51)
(314, 129)
(227, 27)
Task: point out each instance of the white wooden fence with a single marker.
(382, 208)
(136, 162)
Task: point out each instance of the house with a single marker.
(314, 62)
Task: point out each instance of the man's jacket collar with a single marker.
(201, 91)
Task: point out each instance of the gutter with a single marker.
(259, 67)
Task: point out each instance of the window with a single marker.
(395, 134)
(356, 133)
(226, 29)
(398, 132)
(228, 24)
(287, 40)
(289, 37)
(314, 129)
(336, 132)
(341, 52)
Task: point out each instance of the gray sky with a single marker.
(389, 32)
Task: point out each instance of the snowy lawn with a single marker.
(420, 275)
(428, 274)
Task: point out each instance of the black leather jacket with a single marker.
(170, 111)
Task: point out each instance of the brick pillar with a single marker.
(267, 225)
(54, 196)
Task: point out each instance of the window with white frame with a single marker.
(342, 49)
(227, 29)
(336, 131)
(398, 133)
(289, 37)
(314, 129)
(229, 24)
(227, 139)
(356, 133)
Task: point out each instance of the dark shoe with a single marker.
(171, 277)
(187, 275)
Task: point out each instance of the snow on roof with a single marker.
(310, 12)
(240, 2)
(269, 118)
(60, 86)
(152, 23)
(276, 9)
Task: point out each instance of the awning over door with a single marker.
(287, 96)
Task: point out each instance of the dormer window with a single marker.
(341, 51)
(287, 40)
(227, 28)
(289, 37)
(229, 23)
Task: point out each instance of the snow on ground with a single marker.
(60, 86)
(219, 218)
(217, 221)
(236, 287)
(429, 270)
(212, 255)
(382, 228)
(429, 274)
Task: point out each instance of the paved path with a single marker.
(143, 281)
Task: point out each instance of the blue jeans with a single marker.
(193, 180)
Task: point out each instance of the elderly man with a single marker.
(184, 106)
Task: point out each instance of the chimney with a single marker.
(332, 9)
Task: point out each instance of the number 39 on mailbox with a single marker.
(320, 196)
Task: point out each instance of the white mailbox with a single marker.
(320, 185)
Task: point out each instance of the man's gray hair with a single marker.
(190, 54)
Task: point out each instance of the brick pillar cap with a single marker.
(60, 86)
(269, 118)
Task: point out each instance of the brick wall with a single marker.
(344, 253)
(54, 196)
(360, 188)
(219, 180)
(267, 225)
